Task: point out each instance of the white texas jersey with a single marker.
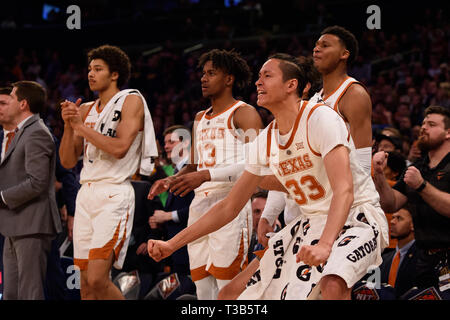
(299, 164)
(101, 166)
(218, 144)
(332, 100)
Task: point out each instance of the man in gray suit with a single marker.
(29, 217)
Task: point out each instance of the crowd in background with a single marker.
(405, 71)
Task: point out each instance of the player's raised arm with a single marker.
(248, 121)
(218, 216)
(71, 145)
(341, 182)
(356, 106)
(132, 120)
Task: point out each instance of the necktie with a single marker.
(9, 138)
(394, 269)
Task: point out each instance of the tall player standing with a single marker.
(220, 133)
(116, 137)
(334, 51)
(340, 208)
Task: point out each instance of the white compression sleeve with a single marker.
(229, 173)
(364, 156)
(275, 203)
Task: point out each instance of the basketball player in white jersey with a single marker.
(342, 229)
(220, 133)
(109, 132)
(278, 201)
(335, 50)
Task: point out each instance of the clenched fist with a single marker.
(413, 178)
(158, 249)
(314, 255)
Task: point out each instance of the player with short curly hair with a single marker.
(116, 137)
(220, 133)
(115, 59)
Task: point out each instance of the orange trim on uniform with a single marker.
(260, 253)
(122, 241)
(212, 117)
(232, 130)
(195, 138)
(294, 130)
(228, 273)
(96, 108)
(248, 232)
(202, 113)
(230, 117)
(199, 273)
(87, 113)
(336, 105)
(105, 251)
(340, 84)
(307, 134)
(81, 263)
(269, 139)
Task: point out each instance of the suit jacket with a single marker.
(143, 209)
(67, 195)
(406, 272)
(181, 204)
(180, 258)
(28, 183)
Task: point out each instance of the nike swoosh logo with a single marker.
(112, 195)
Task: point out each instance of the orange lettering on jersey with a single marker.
(277, 166)
(220, 133)
(203, 134)
(294, 165)
(308, 181)
(284, 168)
(308, 162)
(212, 134)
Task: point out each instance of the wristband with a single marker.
(228, 173)
(422, 186)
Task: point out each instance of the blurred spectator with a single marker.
(396, 164)
(425, 186)
(388, 143)
(381, 115)
(173, 218)
(258, 203)
(399, 266)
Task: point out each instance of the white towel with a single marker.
(149, 150)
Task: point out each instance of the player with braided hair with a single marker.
(217, 159)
